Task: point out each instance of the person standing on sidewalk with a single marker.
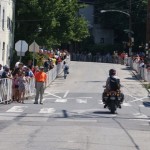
(40, 84)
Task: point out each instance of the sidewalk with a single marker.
(144, 83)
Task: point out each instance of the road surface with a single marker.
(73, 117)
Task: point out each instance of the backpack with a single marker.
(114, 84)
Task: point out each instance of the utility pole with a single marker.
(130, 29)
(148, 23)
(148, 29)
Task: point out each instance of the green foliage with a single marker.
(119, 21)
(58, 20)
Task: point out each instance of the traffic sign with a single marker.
(34, 47)
(21, 46)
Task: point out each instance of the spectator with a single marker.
(18, 70)
(29, 73)
(22, 80)
(15, 86)
(35, 70)
(65, 69)
(40, 80)
(6, 73)
(46, 65)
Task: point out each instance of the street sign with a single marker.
(21, 46)
(34, 47)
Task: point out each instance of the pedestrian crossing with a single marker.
(53, 107)
(21, 113)
(47, 102)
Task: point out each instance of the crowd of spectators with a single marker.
(98, 57)
(22, 73)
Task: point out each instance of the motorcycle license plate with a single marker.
(112, 98)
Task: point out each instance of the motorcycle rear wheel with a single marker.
(112, 107)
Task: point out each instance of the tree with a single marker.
(58, 20)
(119, 22)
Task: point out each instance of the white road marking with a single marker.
(66, 93)
(47, 110)
(140, 115)
(131, 96)
(138, 99)
(126, 104)
(77, 120)
(81, 100)
(141, 106)
(61, 100)
(100, 102)
(17, 109)
(146, 120)
(52, 95)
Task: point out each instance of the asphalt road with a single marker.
(73, 117)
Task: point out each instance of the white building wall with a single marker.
(101, 36)
(87, 13)
(6, 30)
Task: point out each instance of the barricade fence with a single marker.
(143, 72)
(6, 88)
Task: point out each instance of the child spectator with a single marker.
(22, 86)
(15, 88)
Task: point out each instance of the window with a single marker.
(3, 20)
(102, 40)
(8, 23)
(3, 51)
(11, 25)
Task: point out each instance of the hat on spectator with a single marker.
(41, 67)
(6, 66)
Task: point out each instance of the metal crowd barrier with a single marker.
(6, 90)
(143, 72)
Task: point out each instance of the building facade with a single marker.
(6, 30)
(100, 35)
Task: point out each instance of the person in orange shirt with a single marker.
(40, 84)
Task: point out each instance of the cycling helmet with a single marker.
(112, 72)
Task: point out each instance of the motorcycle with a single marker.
(112, 100)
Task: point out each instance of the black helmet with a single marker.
(112, 72)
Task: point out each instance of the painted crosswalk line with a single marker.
(61, 100)
(81, 101)
(126, 104)
(47, 110)
(17, 109)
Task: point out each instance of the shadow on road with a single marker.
(146, 104)
(94, 114)
(127, 68)
(101, 112)
(131, 78)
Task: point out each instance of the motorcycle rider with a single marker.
(112, 84)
